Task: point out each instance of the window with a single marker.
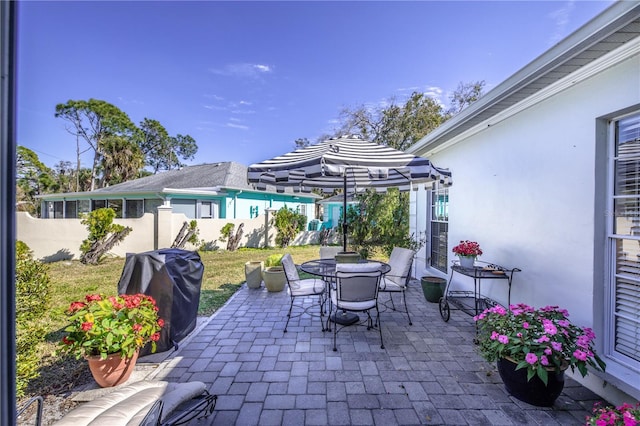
(98, 204)
(116, 206)
(151, 205)
(439, 224)
(187, 207)
(58, 209)
(70, 209)
(623, 321)
(134, 208)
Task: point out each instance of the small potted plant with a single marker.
(109, 332)
(533, 348)
(622, 415)
(467, 252)
(273, 273)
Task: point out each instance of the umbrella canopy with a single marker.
(347, 163)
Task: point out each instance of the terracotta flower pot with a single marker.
(112, 371)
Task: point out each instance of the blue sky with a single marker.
(246, 79)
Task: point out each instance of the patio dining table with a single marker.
(326, 269)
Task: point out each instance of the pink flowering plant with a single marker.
(467, 248)
(101, 325)
(623, 415)
(536, 339)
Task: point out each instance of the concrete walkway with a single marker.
(429, 372)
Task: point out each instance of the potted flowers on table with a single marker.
(109, 332)
(467, 252)
(533, 348)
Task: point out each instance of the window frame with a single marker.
(435, 257)
(615, 278)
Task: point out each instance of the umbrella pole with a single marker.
(344, 213)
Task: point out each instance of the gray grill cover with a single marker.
(173, 278)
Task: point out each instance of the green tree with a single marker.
(465, 95)
(122, 160)
(382, 220)
(33, 178)
(302, 143)
(103, 235)
(93, 121)
(288, 222)
(161, 151)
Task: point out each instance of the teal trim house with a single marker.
(206, 191)
(332, 210)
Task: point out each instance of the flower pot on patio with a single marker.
(433, 288)
(253, 273)
(533, 391)
(113, 370)
(274, 279)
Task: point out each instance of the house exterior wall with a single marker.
(245, 204)
(530, 190)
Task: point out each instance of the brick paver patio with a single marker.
(429, 372)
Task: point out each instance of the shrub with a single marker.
(273, 260)
(32, 300)
(103, 235)
(288, 223)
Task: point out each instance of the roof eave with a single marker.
(610, 20)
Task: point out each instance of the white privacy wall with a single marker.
(524, 188)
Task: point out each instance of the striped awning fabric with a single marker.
(363, 163)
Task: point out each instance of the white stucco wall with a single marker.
(525, 189)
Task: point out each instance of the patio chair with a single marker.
(302, 287)
(145, 403)
(397, 279)
(356, 290)
(329, 252)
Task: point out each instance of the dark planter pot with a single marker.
(534, 391)
(433, 288)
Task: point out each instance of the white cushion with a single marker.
(290, 269)
(128, 405)
(400, 262)
(355, 268)
(386, 284)
(352, 306)
(306, 287)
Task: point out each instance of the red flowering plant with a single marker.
(467, 248)
(622, 415)
(536, 339)
(102, 325)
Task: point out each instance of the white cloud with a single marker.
(214, 97)
(214, 107)
(237, 126)
(245, 70)
(561, 18)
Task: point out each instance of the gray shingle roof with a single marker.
(205, 176)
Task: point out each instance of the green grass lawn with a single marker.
(71, 281)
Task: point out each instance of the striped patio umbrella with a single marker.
(348, 163)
